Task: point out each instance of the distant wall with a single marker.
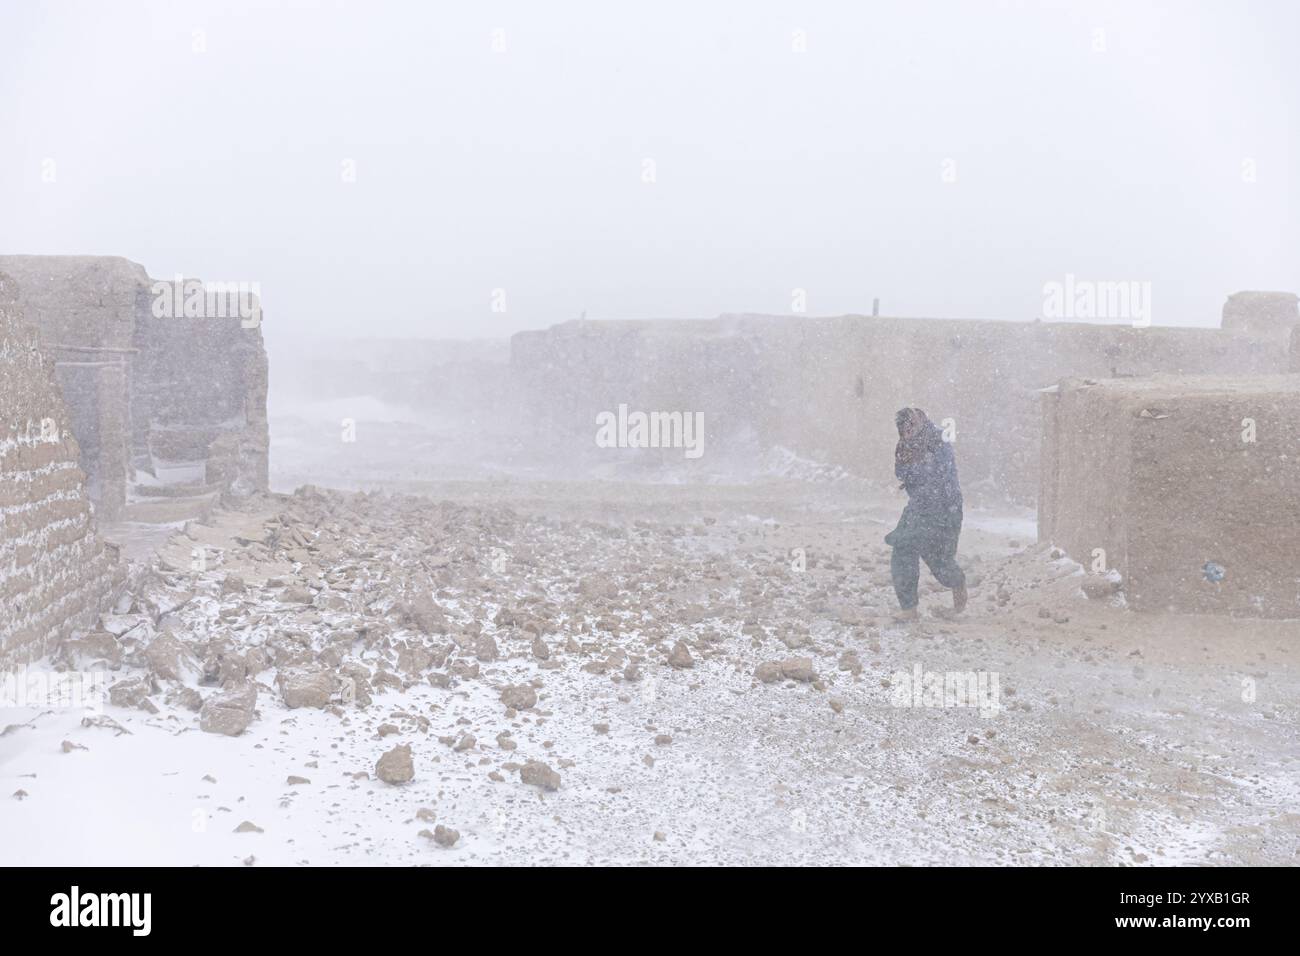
(1195, 510)
(55, 574)
(1272, 314)
(828, 388)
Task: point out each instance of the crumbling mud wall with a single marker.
(55, 573)
(1271, 314)
(827, 388)
(568, 375)
(1189, 487)
(198, 404)
(169, 407)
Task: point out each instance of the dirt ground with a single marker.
(712, 672)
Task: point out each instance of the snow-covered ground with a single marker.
(1118, 738)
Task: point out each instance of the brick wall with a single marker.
(55, 573)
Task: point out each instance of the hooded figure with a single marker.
(931, 523)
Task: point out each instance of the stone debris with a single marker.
(383, 601)
(519, 697)
(396, 765)
(230, 711)
(538, 774)
(1099, 587)
(134, 692)
(798, 668)
(306, 688)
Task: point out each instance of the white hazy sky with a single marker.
(523, 169)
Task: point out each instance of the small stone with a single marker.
(396, 765)
(132, 692)
(294, 781)
(1098, 587)
(445, 836)
(485, 648)
(539, 774)
(768, 672)
(681, 656)
(798, 668)
(519, 697)
(229, 712)
(249, 827)
(306, 688)
(663, 740)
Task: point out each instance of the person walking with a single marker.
(931, 522)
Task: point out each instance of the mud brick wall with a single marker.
(1272, 314)
(827, 388)
(84, 311)
(142, 389)
(55, 573)
(199, 395)
(1158, 473)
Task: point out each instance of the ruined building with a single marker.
(1189, 487)
(147, 413)
(826, 389)
(169, 408)
(1129, 439)
(55, 573)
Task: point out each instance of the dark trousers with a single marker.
(931, 538)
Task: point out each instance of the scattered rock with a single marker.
(306, 688)
(396, 765)
(681, 656)
(519, 696)
(768, 672)
(539, 774)
(798, 668)
(229, 712)
(1099, 587)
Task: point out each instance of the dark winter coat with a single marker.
(928, 470)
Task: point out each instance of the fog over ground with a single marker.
(382, 169)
